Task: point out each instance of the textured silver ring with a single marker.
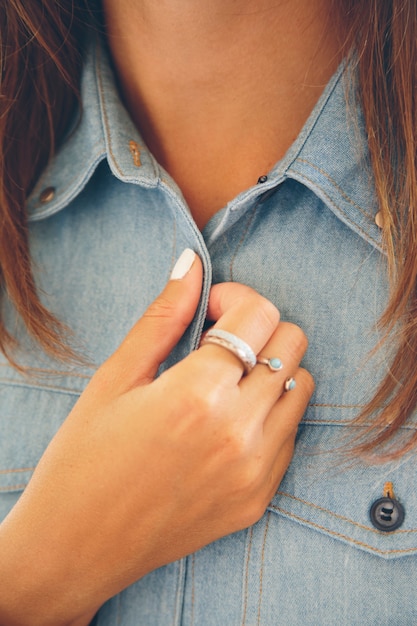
(274, 363)
(234, 344)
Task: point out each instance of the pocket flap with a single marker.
(334, 496)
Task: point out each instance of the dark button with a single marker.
(262, 179)
(47, 195)
(387, 514)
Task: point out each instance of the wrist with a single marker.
(31, 590)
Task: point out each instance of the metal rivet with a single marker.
(47, 195)
(135, 152)
(262, 179)
(379, 220)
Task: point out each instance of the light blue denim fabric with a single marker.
(104, 247)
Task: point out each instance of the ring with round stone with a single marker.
(289, 384)
(274, 363)
(233, 344)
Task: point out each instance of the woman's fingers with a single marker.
(280, 427)
(283, 419)
(240, 310)
(244, 313)
(264, 386)
(160, 328)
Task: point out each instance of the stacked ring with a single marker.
(274, 363)
(234, 344)
(289, 384)
(244, 353)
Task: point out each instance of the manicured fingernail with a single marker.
(183, 264)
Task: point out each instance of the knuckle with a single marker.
(298, 338)
(253, 512)
(203, 402)
(237, 450)
(306, 382)
(268, 313)
(251, 478)
(161, 308)
(105, 378)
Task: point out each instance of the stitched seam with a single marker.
(242, 239)
(54, 372)
(15, 471)
(342, 517)
(348, 422)
(181, 572)
(354, 224)
(119, 610)
(338, 406)
(329, 421)
(64, 190)
(341, 536)
(261, 575)
(12, 487)
(33, 385)
(104, 111)
(334, 183)
(174, 244)
(245, 599)
(336, 422)
(192, 589)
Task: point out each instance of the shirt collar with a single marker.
(103, 129)
(329, 156)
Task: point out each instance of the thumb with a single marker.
(152, 338)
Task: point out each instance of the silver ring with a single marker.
(234, 344)
(289, 384)
(274, 363)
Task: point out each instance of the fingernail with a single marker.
(183, 264)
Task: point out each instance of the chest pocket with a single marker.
(333, 495)
(319, 490)
(31, 411)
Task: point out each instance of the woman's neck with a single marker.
(220, 88)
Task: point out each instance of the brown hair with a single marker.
(40, 64)
(384, 38)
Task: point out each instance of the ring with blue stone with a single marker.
(274, 364)
(289, 384)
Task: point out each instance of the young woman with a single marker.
(237, 158)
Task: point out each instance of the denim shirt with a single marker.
(106, 226)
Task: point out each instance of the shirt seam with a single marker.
(336, 186)
(32, 385)
(344, 537)
(341, 517)
(302, 178)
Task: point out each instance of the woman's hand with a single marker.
(144, 470)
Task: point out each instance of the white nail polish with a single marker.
(183, 264)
